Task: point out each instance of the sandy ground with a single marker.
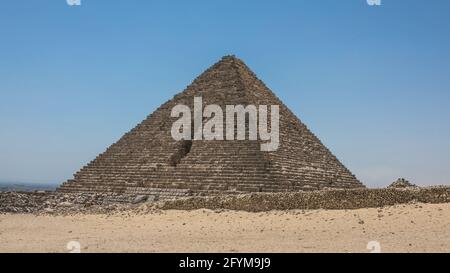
(407, 228)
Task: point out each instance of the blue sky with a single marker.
(372, 82)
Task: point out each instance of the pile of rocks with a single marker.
(330, 199)
(20, 202)
(105, 203)
(402, 183)
(55, 202)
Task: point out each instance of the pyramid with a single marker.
(147, 160)
(402, 183)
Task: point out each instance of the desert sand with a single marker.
(402, 228)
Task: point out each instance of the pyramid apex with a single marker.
(230, 57)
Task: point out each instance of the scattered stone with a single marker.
(152, 198)
(108, 203)
(338, 199)
(49, 210)
(65, 204)
(140, 199)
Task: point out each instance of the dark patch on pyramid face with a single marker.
(148, 160)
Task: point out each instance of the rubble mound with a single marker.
(402, 183)
(56, 203)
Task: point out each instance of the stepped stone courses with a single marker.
(148, 161)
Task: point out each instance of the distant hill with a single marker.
(23, 186)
